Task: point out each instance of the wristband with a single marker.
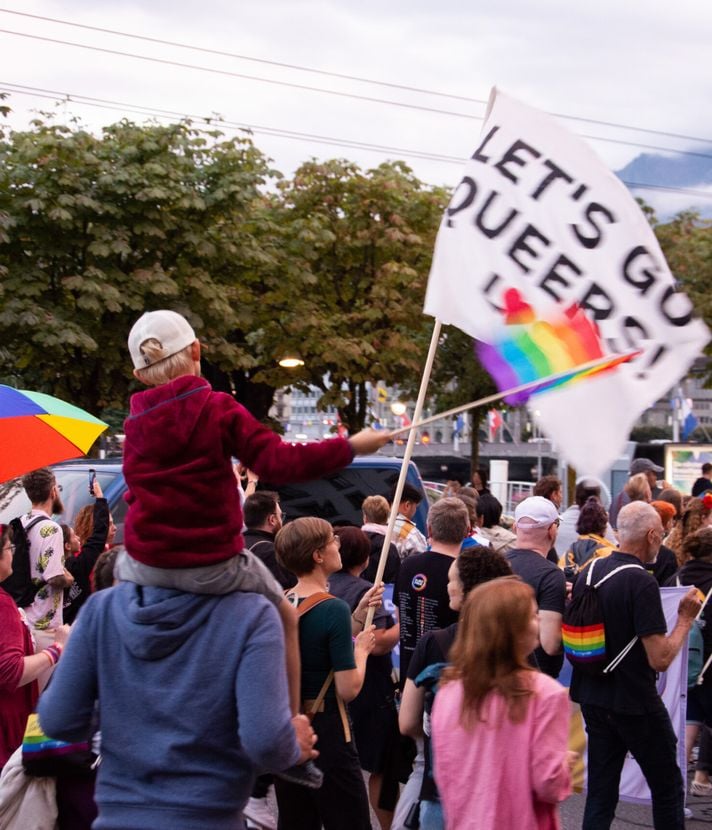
(53, 652)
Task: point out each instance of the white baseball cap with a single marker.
(171, 330)
(536, 511)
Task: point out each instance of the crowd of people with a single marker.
(224, 654)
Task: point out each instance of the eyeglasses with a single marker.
(556, 522)
(9, 546)
(58, 487)
(336, 540)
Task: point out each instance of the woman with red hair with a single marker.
(497, 723)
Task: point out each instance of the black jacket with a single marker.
(261, 543)
(81, 565)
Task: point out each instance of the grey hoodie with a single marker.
(192, 698)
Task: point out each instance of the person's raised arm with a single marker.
(280, 462)
(93, 547)
(369, 441)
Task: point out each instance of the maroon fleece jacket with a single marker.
(184, 509)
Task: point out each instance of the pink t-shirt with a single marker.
(500, 774)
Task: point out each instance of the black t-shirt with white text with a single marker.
(422, 600)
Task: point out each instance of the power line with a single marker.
(224, 54)
(322, 90)
(101, 103)
(243, 76)
(637, 145)
(341, 76)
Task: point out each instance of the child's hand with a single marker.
(369, 440)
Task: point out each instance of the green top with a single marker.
(325, 643)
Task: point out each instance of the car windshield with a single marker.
(337, 498)
(75, 494)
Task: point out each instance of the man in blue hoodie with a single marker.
(192, 701)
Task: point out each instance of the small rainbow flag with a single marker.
(584, 643)
(529, 348)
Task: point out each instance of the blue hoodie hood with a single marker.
(155, 622)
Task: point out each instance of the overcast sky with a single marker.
(641, 63)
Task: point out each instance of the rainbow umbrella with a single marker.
(37, 430)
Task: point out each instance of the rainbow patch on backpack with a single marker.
(584, 643)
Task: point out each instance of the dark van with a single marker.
(336, 498)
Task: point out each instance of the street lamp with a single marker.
(291, 362)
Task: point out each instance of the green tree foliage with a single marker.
(95, 230)
(458, 378)
(686, 242)
(360, 244)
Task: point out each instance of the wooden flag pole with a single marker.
(416, 423)
(378, 578)
(533, 384)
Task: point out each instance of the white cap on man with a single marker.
(169, 328)
(534, 512)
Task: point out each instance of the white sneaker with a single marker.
(688, 812)
(257, 812)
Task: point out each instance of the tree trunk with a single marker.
(257, 398)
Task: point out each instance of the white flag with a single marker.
(538, 212)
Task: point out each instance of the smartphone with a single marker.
(92, 479)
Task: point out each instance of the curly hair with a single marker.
(84, 522)
(698, 545)
(694, 516)
(480, 564)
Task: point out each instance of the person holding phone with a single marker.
(93, 523)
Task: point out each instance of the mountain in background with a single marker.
(688, 172)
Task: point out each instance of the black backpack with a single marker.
(19, 584)
(583, 632)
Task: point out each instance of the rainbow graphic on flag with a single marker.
(529, 349)
(584, 644)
